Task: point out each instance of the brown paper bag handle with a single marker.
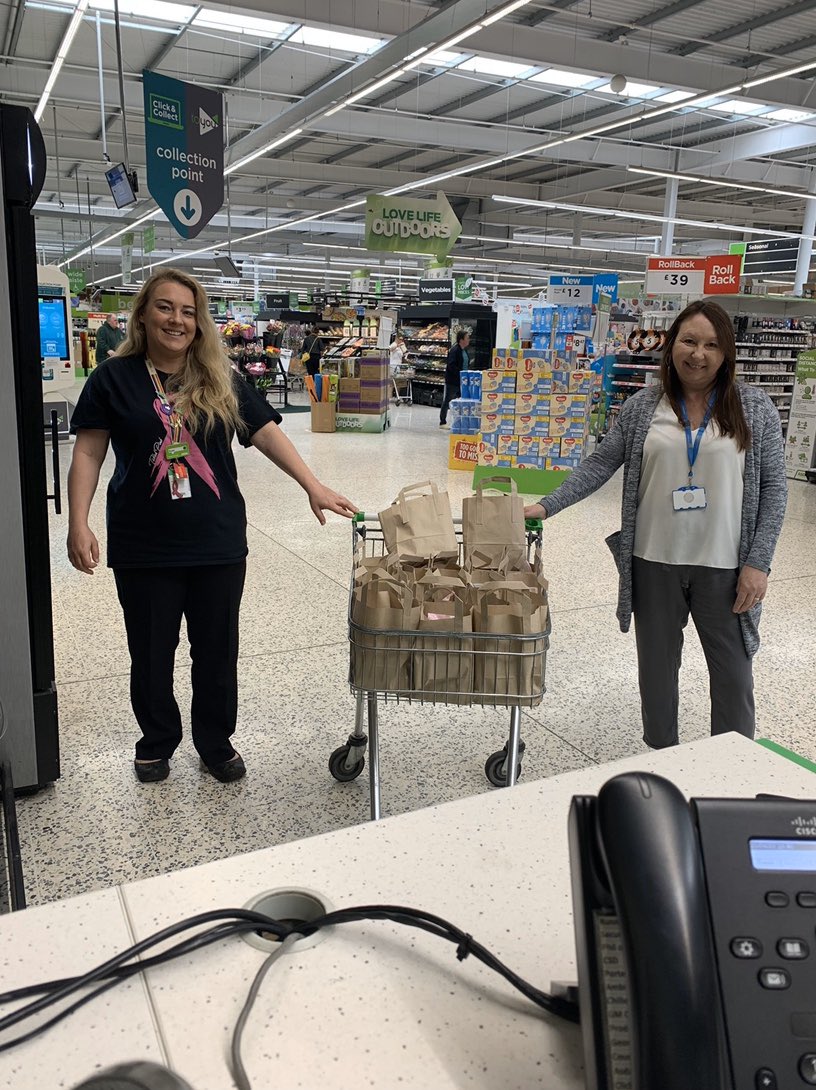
(486, 481)
(405, 492)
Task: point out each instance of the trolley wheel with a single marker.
(496, 766)
(337, 765)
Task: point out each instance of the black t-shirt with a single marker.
(147, 528)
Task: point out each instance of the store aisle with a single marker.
(97, 825)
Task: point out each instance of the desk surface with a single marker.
(370, 1004)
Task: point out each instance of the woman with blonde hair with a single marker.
(169, 405)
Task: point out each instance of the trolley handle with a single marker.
(533, 525)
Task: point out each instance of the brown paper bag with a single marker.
(379, 662)
(443, 662)
(508, 669)
(419, 523)
(493, 527)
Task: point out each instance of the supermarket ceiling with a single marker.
(482, 99)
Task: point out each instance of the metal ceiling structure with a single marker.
(519, 107)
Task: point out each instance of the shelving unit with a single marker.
(767, 351)
(429, 331)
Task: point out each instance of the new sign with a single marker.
(405, 223)
(575, 290)
(185, 151)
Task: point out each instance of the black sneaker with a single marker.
(152, 771)
(230, 771)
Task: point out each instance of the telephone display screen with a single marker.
(793, 856)
(53, 327)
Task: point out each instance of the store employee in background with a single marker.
(169, 405)
(704, 494)
(456, 362)
(108, 338)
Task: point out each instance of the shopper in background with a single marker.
(397, 350)
(108, 338)
(313, 348)
(169, 404)
(704, 494)
(456, 362)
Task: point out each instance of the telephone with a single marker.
(695, 931)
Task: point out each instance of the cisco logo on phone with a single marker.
(804, 826)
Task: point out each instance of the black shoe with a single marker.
(229, 771)
(152, 771)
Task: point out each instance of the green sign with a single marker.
(116, 304)
(405, 223)
(184, 140)
(76, 280)
(462, 289)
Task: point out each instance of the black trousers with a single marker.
(663, 597)
(153, 601)
(452, 390)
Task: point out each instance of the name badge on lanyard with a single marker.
(691, 497)
(178, 474)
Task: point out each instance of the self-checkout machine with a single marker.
(56, 347)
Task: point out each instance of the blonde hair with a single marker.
(203, 390)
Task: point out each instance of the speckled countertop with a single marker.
(372, 1004)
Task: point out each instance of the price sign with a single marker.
(675, 276)
(570, 290)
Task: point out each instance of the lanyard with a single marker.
(176, 420)
(693, 445)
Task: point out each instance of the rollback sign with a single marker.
(184, 136)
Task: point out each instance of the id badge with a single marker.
(690, 497)
(178, 477)
(177, 450)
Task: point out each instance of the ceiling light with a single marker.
(789, 115)
(235, 24)
(558, 77)
(439, 59)
(159, 10)
(62, 53)
(262, 151)
(109, 238)
(333, 40)
(723, 182)
(630, 90)
(503, 12)
(489, 67)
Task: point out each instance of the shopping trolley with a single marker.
(499, 671)
(401, 378)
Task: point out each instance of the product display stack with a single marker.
(362, 404)
(466, 423)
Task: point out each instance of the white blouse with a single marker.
(708, 537)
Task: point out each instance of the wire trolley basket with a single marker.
(463, 668)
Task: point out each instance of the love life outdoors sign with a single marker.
(184, 137)
(406, 223)
(693, 276)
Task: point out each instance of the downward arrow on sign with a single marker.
(188, 208)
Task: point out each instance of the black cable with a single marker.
(116, 969)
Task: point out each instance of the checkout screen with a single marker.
(793, 856)
(53, 328)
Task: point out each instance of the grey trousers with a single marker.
(663, 597)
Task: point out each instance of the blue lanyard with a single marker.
(693, 445)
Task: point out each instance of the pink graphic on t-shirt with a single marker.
(195, 459)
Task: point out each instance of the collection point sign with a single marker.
(185, 151)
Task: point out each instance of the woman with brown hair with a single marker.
(704, 495)
(169, 405)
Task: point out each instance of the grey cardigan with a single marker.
(764, 496)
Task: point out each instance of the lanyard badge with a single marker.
(692, 497)
(178, 475)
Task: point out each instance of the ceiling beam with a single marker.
(745, 26)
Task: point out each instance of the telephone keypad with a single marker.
(806, 899)
(766, 1079)
(774, 979)
(792, 949)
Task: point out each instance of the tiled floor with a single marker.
(97, 826)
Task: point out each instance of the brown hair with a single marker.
(728, 405)
(203, 389)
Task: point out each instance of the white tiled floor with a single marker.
(97, 825)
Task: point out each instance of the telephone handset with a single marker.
(695, 932)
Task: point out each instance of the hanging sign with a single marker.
(436, 291)
(776, 255)
(406, 223)
(722, 275)
(607, 283)
(185, 151)
(149, 239)
(76, 280)
(675, 276)
(574, 290)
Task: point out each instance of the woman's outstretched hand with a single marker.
(534, 511)
(323, 499)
